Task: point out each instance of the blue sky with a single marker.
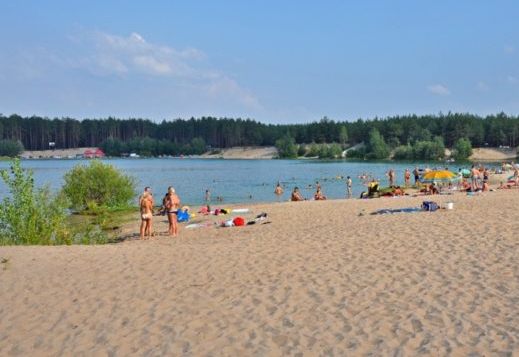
(274, 61)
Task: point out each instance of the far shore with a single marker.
(259, 153)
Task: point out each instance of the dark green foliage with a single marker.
(32, 216)
(287, 147)
(429, 150)
(301, 150)
(178, 137)
(98, 185)
(403, 152)
(377, 148)
(343, 135)
(462, 149)
(10, 148)
(356, 154)
(29, 215)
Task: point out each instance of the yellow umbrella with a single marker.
(439, 176)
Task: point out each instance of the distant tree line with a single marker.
(186, 136)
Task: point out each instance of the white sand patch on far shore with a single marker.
(244, 152)
(493, 154)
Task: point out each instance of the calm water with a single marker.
(236, 180)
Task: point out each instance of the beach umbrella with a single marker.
(466, 173)
(439, 176)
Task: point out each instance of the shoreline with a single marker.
(490, 155)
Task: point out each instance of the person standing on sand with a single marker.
(146, 209)
(147, 189)
(172, 205)
(391, 177)
(349, 185)
(278, 191)
(416, 174)
(474, 174)
(407, 177)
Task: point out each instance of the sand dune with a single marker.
(319, 280)
(244, 152)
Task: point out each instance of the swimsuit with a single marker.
(146, 216)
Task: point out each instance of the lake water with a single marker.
(237, 181)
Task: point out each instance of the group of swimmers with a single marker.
(318, 195)
(170, 207)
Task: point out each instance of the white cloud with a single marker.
(224, 86)
(511, 79)
(509, 49)
(152, 65)
(169, 78)
(482, 86)
(136, 55)
(438, 89)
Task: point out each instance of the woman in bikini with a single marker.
(172, 205)
(146, 206)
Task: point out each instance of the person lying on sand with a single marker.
(502, 186)
(296, 195)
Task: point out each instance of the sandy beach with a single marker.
(323, 278)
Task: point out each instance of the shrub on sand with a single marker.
(29, 215)
(98, 185)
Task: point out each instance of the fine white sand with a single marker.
(319, 280)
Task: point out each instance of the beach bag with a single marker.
(182, 216)
(238, 221)
(430, 206)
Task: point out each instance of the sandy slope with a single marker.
(320, 279)
(493, 154)
(245, 152)
(63, 153)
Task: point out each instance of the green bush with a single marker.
(403, 152)
(314, 150)
(287, 147)
(98, 185)
(301, 150)
(462, 149)
(29, 215)
(429, 150)
(377, 148)
(356, 154)
(10, 148)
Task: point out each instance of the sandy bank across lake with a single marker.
(319, 279)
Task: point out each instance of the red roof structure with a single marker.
(93, 154)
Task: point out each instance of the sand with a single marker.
(57, 153)
(493, 154)
(319, 280)
(244, 152)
